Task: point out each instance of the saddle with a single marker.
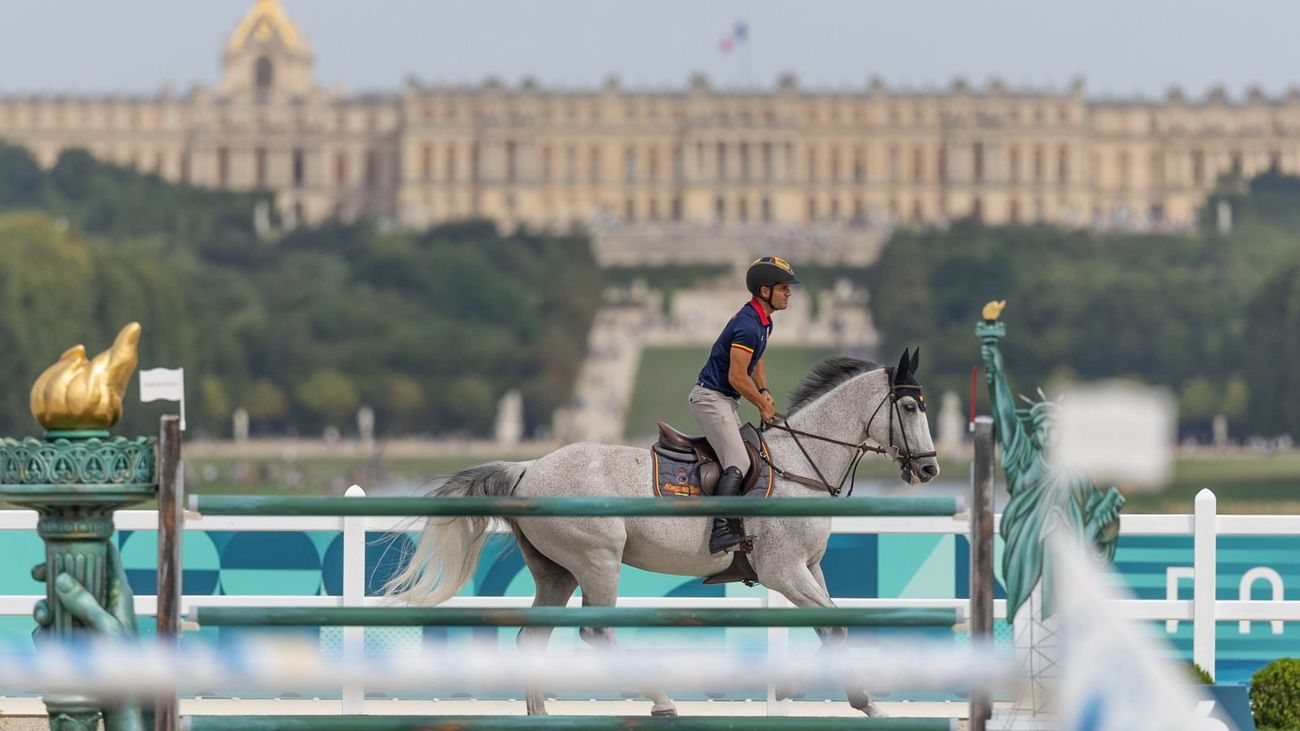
(683, 465)
(693, 467)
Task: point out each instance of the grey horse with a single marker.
(842, 399)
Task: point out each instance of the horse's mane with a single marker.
(825, 376)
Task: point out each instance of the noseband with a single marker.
(904, 453)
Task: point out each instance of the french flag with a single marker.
(738, 36)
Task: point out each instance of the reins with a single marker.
(860, 449)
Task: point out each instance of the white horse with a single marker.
(843, 401)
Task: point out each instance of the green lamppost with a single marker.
(75, 477)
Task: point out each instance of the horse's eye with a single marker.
(910, 408)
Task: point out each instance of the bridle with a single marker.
(896, 391)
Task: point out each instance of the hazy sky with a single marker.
(1121, 47)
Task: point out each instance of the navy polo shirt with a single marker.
(747, 330)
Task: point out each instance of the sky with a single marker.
(1121, 48)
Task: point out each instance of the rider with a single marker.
(735, 369)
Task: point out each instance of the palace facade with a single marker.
(698, 155)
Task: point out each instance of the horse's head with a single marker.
(901, 425)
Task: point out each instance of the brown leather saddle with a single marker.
(679, 445)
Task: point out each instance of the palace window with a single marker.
(918, 164)
(767, 208)
(223, 167)
(744, 161)
(299, 166)
(767, 161)
(722, 160)
(978, 163)
(629, 164)
(263, 74)
(426, 162)
(1198, 167)
(1063, 165)
(859, 165)
(512, 163)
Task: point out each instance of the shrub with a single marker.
(1200, 674)
(1275, 694)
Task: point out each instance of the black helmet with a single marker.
(770, 270)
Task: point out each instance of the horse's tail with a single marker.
(449, 548)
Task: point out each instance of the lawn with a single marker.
(667, 374)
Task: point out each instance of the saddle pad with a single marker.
(672, 475)
(677, 474)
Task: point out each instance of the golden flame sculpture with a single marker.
(76, 393)
(993, 310)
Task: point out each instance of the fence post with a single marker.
(1205, 585)
(170, 525)
(981, 556)
(354, 595)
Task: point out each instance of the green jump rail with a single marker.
(559, 723)
(522, 507)
(573, 617)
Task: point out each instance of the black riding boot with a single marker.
(726, 531)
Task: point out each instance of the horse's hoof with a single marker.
(669, 711)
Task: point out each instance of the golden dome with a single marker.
(267, 20)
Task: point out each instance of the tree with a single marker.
(330, 396)
(265, 402)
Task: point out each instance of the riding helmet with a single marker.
(769, 270)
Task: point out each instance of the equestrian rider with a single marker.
(735, 369)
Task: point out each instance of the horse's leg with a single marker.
(554, 587)
(599, 582)
(805, 586)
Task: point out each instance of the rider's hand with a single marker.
(767, 397)
(767, 411)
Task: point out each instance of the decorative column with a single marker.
(75, 477)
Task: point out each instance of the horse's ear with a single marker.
(916, 361)
(904, 363)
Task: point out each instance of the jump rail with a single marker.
(518, 507)
(572, 617)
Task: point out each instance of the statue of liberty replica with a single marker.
(1043, 500)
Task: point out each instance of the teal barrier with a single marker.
(521, 507)
(573, 617)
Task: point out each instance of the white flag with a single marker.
(1114, 677)
(164, 384)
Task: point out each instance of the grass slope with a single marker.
(666, 376)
